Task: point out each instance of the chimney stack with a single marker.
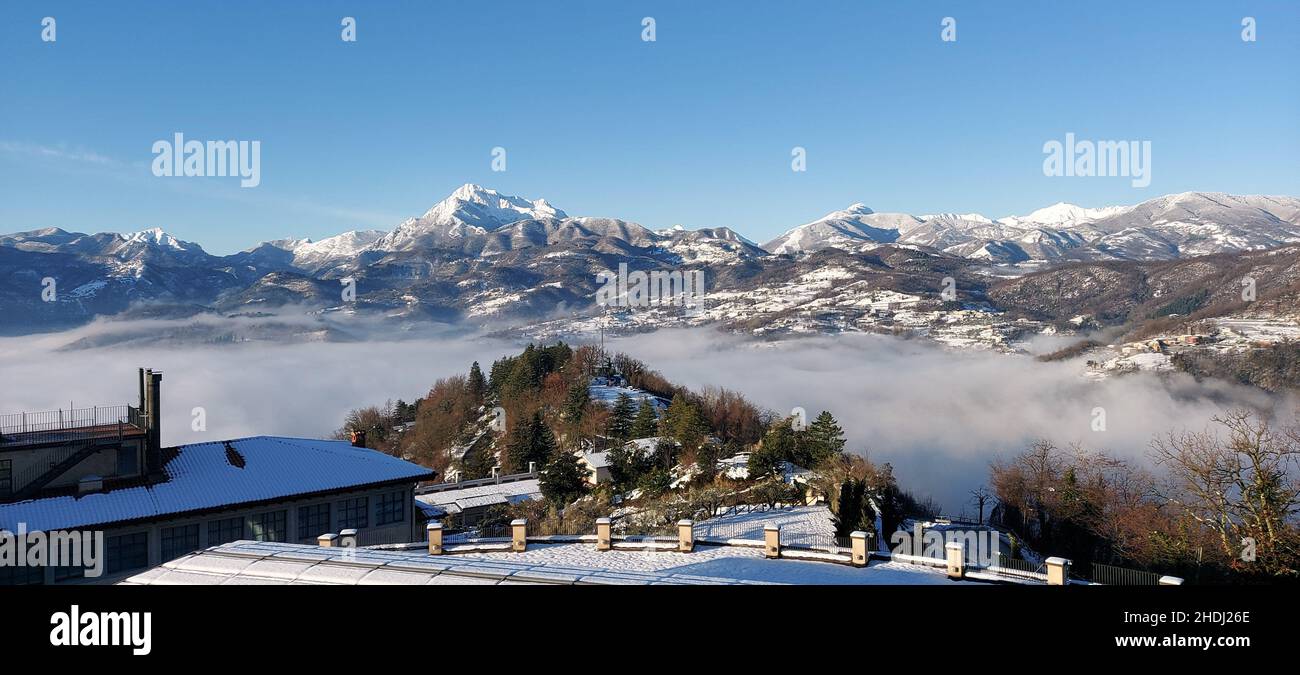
(151, 409)
(359, 438)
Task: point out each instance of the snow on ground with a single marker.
(608, 395)
(797, 524)
(721, 562)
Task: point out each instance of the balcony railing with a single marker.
(69, 425)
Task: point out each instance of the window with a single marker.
(72, 572)
(127, 461)
(127, 552)
(313, 521)
(177, 541)
(268, 526)
(6, 476)
(391, 508)
(225, 530)
(27, 575)
(354, 513)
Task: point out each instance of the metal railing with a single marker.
(73, 432)
(1111, 575)
(1015, 567)
(51, 426)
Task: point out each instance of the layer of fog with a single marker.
(939, 416)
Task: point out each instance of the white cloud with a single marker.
(938, 416)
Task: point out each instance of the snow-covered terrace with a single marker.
(263, 563)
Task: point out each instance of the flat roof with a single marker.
(454, 501)
(207, 476)
(248, 562)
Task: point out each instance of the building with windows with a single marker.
(91, 473)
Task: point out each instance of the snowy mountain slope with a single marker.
(1169, 227)
(842, 229)
(485, 256)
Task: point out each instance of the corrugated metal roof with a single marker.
(202, 476)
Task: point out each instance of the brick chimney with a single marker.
(359, 438)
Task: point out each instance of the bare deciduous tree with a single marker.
(1238, 481)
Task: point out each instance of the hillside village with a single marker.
(562, 438)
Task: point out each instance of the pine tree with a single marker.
(563, 479)
(684, 423)
(825, 437)
(766, 460)
(530, 442)
(778, 446)
(851, 508)
(476, 385)
(647, 421)
(620, 419)
(575, 403)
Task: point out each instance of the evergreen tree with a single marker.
(851, 508)
(646, 423)
(575, 403)
(476, 385)
(627, 464)
(765, 461)
(706, 462)
(825, 438)
(477, 463)
(684, 423)
(530, 441)
(778, 446)
(563, 479)
(620, 419)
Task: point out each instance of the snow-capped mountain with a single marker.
(470, 211)
(309, 254)
(487, 257)
(841, 229)
(1174, 226)
(1062, 214)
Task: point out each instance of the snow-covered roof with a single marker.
(202, 476)
(596, 460)
(455, 501)
(247, 562)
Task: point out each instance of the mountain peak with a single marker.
(473, 204)
(157, 237)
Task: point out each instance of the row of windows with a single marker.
(131, 551)
(6, 476)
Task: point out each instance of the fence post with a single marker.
(772, 541)
(327, 540)
(1171, 581)
(603, 540)
(518, 535)
(955, 553)
(348, 538)
(685, 535)
(434, 532)
(858, 540)
(1058, 571)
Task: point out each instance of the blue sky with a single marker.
(695, 128)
